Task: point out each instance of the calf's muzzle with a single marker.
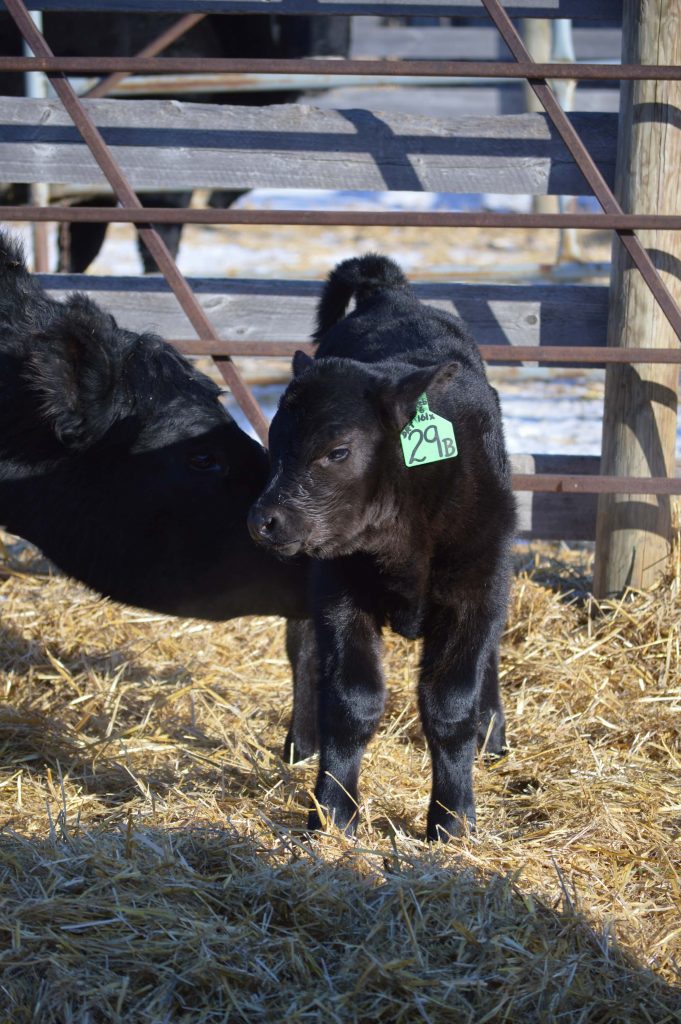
(267, 525)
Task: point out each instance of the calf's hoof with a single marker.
(298, 747)
(344, 818)
(492, 737)
(444, 825)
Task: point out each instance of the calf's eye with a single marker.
(337, 454)
(203, 462)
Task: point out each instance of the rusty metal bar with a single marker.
(126, 195)
(522, 68)
(577, 354)
(569, 484)
(584, 161)
(491, 353)
(349, 218)
(156, 46)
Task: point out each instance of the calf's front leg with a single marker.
(351, 700)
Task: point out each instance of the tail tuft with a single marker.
(12, 259)
(360, 277)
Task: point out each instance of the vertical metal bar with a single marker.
(586, 165)
(127, 197)
(158, 45)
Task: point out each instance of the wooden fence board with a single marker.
(371, 39)
(275, 310)
(446, 102)
(610, 10)
(164, 144)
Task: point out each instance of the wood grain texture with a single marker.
(276, 310)
(165, 144)
(640, 413)
(465, 42)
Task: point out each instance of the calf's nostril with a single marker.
(268, 526)
(263, 524)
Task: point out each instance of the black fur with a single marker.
(118, 460)
(425, 550)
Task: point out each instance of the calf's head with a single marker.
(337, 478)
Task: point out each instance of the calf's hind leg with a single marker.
(492, 720)
(453, 664)
(351, 699)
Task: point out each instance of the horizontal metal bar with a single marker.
(550, 483)
(408, 68)
(577, 354)
(352, 218)
(491, 353)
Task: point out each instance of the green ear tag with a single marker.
(427, 438)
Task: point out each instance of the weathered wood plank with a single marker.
(445, 102)
(610, 10)
(164, 144)
(371, 39)
(242, 310)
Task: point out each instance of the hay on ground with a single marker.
(152, 866)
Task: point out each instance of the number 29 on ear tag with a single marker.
(427, 437)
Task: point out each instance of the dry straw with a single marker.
(152, 865)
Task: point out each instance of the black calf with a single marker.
(389, 468)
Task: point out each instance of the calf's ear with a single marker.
(71, 369)
(301, 362)
(404, 393)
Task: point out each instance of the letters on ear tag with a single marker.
(427, 437)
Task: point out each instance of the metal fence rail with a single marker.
(524, 69)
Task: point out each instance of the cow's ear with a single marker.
(301, 362)
(71, 368)
(403, 394)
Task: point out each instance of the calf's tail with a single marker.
(360, 278)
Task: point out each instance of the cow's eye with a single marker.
(337, 454)
(203, 462)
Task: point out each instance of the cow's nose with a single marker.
(263, 524)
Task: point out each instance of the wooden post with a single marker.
(537, 36)
(639, 422)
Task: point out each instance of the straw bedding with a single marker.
(153, 866)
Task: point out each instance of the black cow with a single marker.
(405, 531)
(110, 34)
(118, 460)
